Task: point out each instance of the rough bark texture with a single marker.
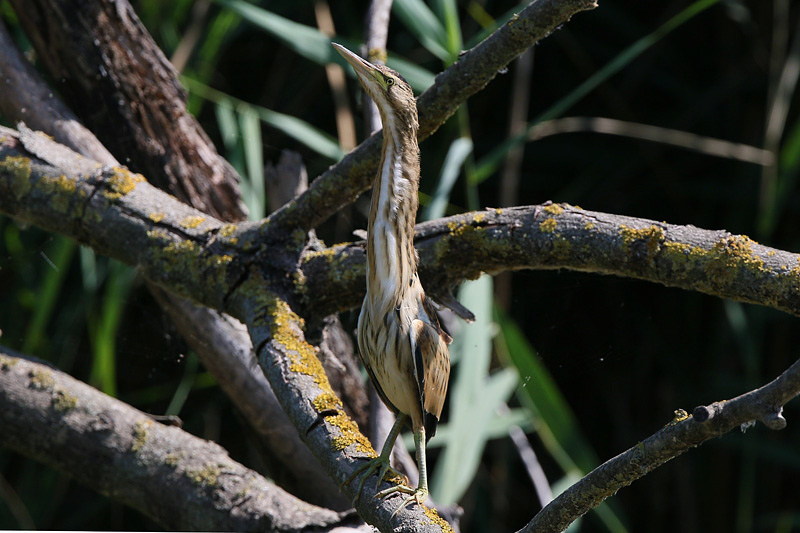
(180, 481)
(230, 268)
(24, 97)
(115, 78)
(554, 236)
(224, 348)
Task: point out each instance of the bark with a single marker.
(114, 76)
(265, 273)
(552, 236)
(180, 481)
(225, 350)
(24, 97)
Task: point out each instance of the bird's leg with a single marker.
(380, 463)
(420, 494)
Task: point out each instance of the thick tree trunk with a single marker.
(116, 79)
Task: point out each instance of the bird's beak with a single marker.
(365, 70)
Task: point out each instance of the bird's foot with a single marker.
(418, 495)
(383, 467)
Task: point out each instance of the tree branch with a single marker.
(125, 87)
(180, 481)
(302, 387)
(23, 96)
(108, 208)
(121, 215)
(197, 256)
(342, 183)
(685, 432)
(553, 236)
(223, 350)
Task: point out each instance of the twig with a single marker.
(683, 433)
(528, 457)
(509, 178)
(180, 57)
(683, 139)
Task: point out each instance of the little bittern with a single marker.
(401, 343)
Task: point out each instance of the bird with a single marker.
(401, 342)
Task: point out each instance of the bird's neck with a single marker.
(391, 258)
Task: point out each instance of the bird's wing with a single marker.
(432, 370)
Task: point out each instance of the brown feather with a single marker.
(400, 340)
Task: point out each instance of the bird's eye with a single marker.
(389, 82)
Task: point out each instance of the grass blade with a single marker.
(492, 161)
(425, 26)
(303, 132)
(307, 41)
(474, 398)
(254, 161)
(104, 330)
(455, 158)
(57, 258)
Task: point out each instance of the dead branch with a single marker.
(180, 481)
(683, 433)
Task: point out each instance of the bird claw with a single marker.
(365, 471)
(418, 496)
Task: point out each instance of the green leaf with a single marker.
(103, 330)
(317, 140)
(555, 422)
(498, 426)
(456, 155)
(469, 433)
(307, 41)
(302, 131)
(425, 26)
(454, 41)
(255, 197)
(474, 398)
(492, 161)
(57, 259)
(184, 387)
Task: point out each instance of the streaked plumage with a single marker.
(401, 343)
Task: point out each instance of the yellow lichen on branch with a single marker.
(191, 222)
(20, 169)
(121, 182)
(349, 432)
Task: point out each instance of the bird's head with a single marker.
(387, 88)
